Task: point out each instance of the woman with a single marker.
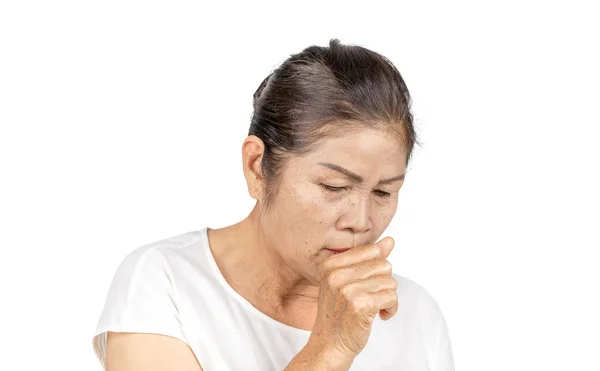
(300, 284)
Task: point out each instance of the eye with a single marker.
(379, 193)
(333, 189)
(383, 194)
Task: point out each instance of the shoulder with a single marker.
(154, 256)
(145, 273)
(141, 297)
(144, 280)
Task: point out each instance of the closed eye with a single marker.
(379, 193)
(382, 194)
(334, 189)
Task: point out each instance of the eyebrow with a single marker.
(357, 178)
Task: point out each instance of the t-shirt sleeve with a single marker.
(140, 299)
(436, 334)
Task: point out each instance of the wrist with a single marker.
(336, 359)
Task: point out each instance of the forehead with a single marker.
(357, 144)
(361, 150)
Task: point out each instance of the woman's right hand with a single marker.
(356, 286)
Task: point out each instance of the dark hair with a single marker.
(323, 92)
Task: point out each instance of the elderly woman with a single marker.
(301, 283)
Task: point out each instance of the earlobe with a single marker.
(259, 188)
(252, 152)
(254, 184)
(254, 181)
(252, 155)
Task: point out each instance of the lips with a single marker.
(338, 251)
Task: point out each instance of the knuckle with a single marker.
(392, 296)
(387, 266)
(360, 305)
(372, 307)
(333, 278)
(346, 292)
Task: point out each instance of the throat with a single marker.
(267, 283)
(297, 307)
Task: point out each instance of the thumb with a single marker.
(386, 244)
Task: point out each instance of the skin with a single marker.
(275, 260)
(278, 260)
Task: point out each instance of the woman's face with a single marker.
(307, 216)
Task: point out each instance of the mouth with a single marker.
(338, 251)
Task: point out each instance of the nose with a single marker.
(356, 216)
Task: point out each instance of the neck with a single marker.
(257, 272)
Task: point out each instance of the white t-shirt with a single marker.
(174, 287)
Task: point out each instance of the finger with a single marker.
(353, 256)
(386, 244)
(386, 314)
(361, 271)
(361, 253)
(387, 302)
(369, 285)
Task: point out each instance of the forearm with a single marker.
(314, 357)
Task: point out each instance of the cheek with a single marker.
(305, 204)
(384, 212)
(308, 236)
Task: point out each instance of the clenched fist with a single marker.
(356, 286)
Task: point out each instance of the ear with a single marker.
(252, 154)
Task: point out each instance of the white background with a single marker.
(122, 124)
